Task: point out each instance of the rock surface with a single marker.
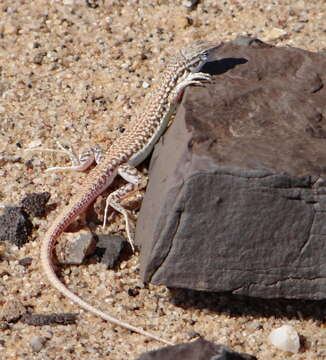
(200, 349)
(237, 186)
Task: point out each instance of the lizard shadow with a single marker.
(218, 67)
(238, 305)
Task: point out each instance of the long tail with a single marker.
(46, 255)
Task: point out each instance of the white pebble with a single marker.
(37, 343)
(285, 338)
(145, 85)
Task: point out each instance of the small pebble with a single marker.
(191, 4)
(110, 248)
(145, 85)
(27, 261)
(37, 343)
(298, 27)
(285, 338)
(38, 58)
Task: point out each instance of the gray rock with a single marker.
(237, 185)
(15, 226)
(56, 318)
(200, 349)
(35, 203)
(27, 261)
(110, 247)
(76, 247)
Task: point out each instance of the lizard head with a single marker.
(196, 55)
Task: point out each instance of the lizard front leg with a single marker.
(191, 79)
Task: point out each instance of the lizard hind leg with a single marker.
(136, 181)
(79, 162)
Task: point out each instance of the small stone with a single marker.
(76, 247)
(191, 4)
(110, 247)
(15, 226)
(35, 203)
(38, 58)
(145, 85)
(93, 4)
(133, 291)
(44, 319)
(285, 338)
(37, 343)
(27, 261)
(29, 164)
(298, 27)
(12, 310)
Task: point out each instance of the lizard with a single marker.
(122, 158)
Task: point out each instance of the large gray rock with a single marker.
(237, 199)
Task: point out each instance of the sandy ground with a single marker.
(78, 74)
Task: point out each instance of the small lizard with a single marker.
(128, 151)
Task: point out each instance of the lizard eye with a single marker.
(204, 55)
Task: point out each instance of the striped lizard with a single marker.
(128, 151)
